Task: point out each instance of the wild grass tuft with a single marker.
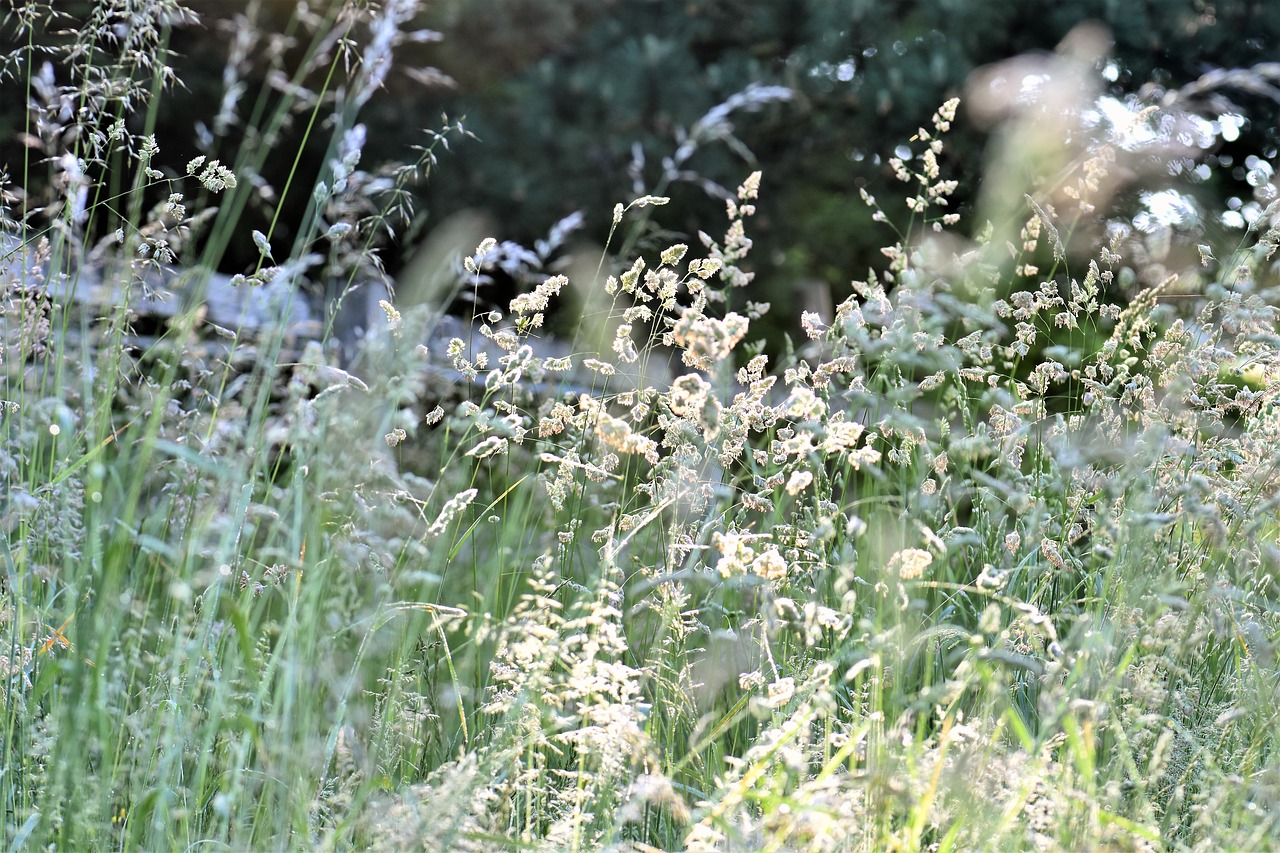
(987, 561)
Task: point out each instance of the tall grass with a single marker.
(986, 562)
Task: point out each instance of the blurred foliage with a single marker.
(561, 114)
(577, 102)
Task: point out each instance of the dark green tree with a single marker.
(582, 113)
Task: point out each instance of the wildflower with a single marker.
(393, 316)
(214, 177)
(736, 553)
(595, 365)
(646, 200)
(707, 340)
(688, 395)
(539, 299)
(557, 365)
(618, 435)
(811, 322)
(1051, 553)
(649, 792)
(494, 445)
(769, 564)
(910, 563)
(841, 436)
(805, 405)
(781, 692)
(945, 115)
(1012, 541)
(799, 481)
(623, 346)
(451, 510)
(673, 255)
(704, 268)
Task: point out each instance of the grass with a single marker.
(987, 562)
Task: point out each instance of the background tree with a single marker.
(577, 105)
(582, 114)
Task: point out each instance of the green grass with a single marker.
(981, 564)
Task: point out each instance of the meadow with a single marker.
(985, 559)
